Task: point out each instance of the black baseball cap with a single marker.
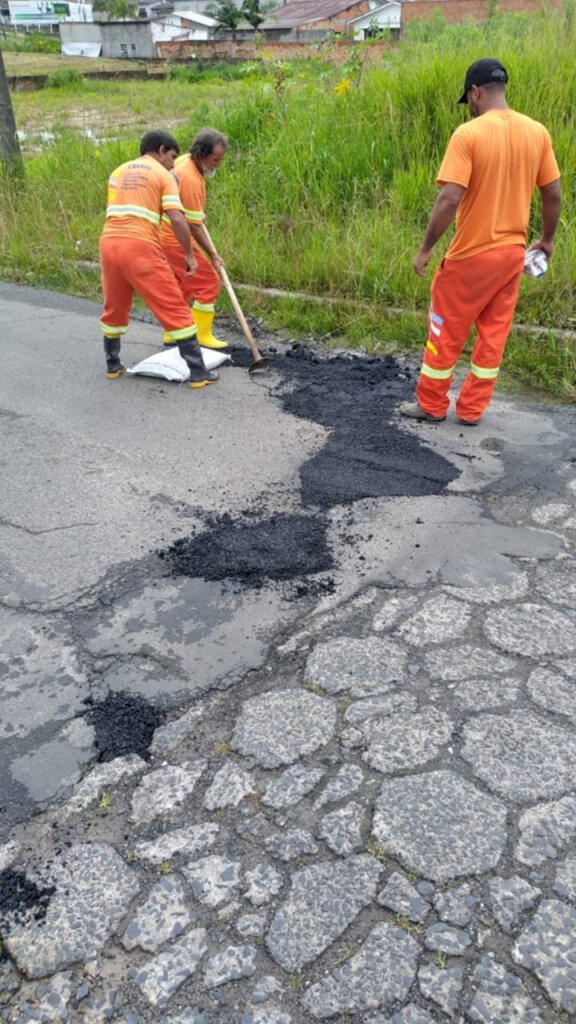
(481, 72)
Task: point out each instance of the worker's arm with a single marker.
(180, 229)
(201, 238)
(551, 205)
(442, 215)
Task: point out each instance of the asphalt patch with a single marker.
(124, 724)
(366, 455)
(21, 900)
(281, 547)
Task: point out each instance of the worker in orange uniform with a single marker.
(203, 286)
(139, 193)
(490, 169)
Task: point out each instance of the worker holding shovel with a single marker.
(203, 286)
(140, 192)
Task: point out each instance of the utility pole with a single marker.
(10, 155)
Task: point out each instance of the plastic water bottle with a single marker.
(535, 263)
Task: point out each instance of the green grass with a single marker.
(320, 193)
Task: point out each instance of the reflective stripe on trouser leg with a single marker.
(447, 336)
(203, 286)
(501, 269)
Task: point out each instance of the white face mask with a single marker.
(208, 172)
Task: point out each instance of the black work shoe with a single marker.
(114, 368)
(468, 423)
(414, 411)
(192, 356)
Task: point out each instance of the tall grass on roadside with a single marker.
(322, 191)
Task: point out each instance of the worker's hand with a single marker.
(217, 263)
(547, 247)
(421, 262)
(191, 265)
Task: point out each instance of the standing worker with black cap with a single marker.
(487, 177)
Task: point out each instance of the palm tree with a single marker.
(255, 12)
(227, 15)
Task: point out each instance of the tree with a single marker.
(117, 10)
(255, 11)
(9, 146)
(228, 16)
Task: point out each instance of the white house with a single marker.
(378, 18)
(182, 25)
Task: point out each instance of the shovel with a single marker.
(260, 361)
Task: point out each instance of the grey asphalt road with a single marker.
(97, 476)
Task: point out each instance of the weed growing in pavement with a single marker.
(104, 803)
(165, 867)
(441, 960)
(221, 750)
(377, 850)
(295, 982)
(344, 704)
(315, 688)
(408, 926)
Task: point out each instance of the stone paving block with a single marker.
(93, 889)
(400, 896)
(293, 842)
(484, 694)
(169, 736)
(191, 1015)
(360, 667)
(165, 789)
(341, 830)
(8, 853)
(509, 898)
(290, 787)
(278, 728)
(379, 974)
(556, 582)
(251, 925)
(101, 778)
(393, 610)
(267, 1016)
(9, 982)
(404, 741)
(264, 883)
(52, 999)
(465, 829)
(162, 976)
(492, 593)
(456, 905)
(324, 899)
(455, 664)
(188, 840)
(347, 780)
(213, 878)
(533, 630)
(265, 988)
(520, 756)
(547, 948)
(553, 691)
(228, 788)
(565, 881)
(442, 937)
(411, 1014)
(500, 996)
(442, 985)
(551, 512)
(545, 830)
(379, 707)
(163, 917)
(230, 964)
(440, 619)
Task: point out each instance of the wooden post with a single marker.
(10, 154)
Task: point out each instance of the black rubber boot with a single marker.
(192, 356)
(113, 365)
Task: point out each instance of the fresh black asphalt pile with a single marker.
(365, 456)
(21, 899)
(124, 724)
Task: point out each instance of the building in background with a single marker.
(38, 13)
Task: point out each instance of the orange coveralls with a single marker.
(202, 287)
(130, 255)
(499, 158)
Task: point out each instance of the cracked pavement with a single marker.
(359, 807)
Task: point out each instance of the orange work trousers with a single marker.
(131, 265)
(481, 290)
(203, 286)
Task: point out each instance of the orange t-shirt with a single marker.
(498, 158)
(192, 193)
(138, 194)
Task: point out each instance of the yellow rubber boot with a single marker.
(204, 320)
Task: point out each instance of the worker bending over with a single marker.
(203, 286)
(487, 177)
(140, 192)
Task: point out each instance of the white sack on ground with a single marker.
(169, 364)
